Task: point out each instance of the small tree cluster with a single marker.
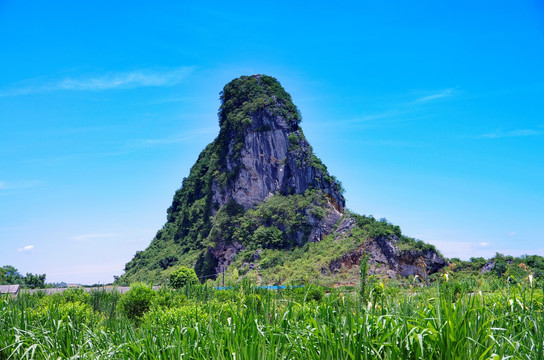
(11, 276)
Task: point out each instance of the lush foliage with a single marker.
(248, 95)
(447, 321)
(11, 276)
(512, 269)
(183, 277)
(259, 227)
(136, 301)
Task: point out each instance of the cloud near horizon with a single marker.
(119, 80)
(26, 248)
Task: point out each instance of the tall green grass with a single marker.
(248, 323)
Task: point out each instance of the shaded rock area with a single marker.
(322, 228)
(223, 254)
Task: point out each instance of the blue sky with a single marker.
(431, 115)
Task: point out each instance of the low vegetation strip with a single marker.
(443, 321)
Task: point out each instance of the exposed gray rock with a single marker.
(322, 228)
(345, 227)
(257, 254)
(422, 263)
(384, 252)
(488, 266)
(268, 166)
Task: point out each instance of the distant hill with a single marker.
(259, 203)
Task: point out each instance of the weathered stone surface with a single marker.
(488, 266)
(383, 251)
(422, 263)
(345, 227)
(322, 228)
(267, 166)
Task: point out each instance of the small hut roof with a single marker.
(9, 289)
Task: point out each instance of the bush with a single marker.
(137, 301)
(271, 237)
(452, 290)
(183, 277)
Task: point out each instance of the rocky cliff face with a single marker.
(273, 155)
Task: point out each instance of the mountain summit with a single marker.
(257, 187)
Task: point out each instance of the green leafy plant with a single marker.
(183, 277)
(365, 287)
(137, 301)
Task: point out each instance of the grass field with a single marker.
(435, 322)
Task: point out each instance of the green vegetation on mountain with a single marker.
(258, 200)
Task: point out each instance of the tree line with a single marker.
(9, 275)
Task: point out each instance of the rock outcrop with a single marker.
(386, 258)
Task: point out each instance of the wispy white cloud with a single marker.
(512, 233)
(439, 95)
(93, 236)
(119, 80)
(512, 133)
(27, 248)
(484, 244)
